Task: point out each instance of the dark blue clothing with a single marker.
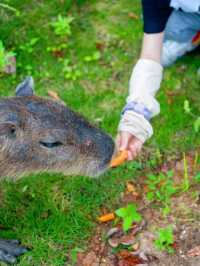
(156, 14)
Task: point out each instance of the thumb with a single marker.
(124, 140)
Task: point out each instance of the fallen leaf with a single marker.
(136, 246)
(54, 95)
(106, 217)
(127, 240)
(133, 15)
(130, 187)
(112, 232)
(128, 259)
(100, 46)
(194, 252)
(90, 260)
(58, 53)
(113, 242)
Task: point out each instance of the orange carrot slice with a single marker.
(106, 217)
(120, 159)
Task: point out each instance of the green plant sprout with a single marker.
(62, 25)
(165, 239)
(94, 57)
(196, 160)
(59, 47)
(74, 253)
(197, 177)
(4, 57)
(188, 110)
(29, 46)
(129, 215)
(71, 72)
(161, 189)
(186, 183)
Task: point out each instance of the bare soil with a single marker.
(108, 247)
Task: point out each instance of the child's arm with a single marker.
(134, 127)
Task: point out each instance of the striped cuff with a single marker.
(138, 108)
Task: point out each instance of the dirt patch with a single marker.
(110, 246)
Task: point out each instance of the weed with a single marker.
(62, 25)
(129, 215)
(59, 47)
(29, 46)
(188, 110)
(186, 183)
(197, 177)
(4, 57)
(94, 57)
(161, 189)
(10, 8)
(165, 239)
(74, 253)
(70, 72)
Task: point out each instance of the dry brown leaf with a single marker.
(128, 259)
(130, 187)
(132, 15)
(136, 246)
(54, 95)
(58, 53)
(100, 46)
(194, 252)
(91, 259)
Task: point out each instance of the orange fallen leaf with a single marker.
(130, 187)
(54, 95)
(106, 217)
(120, 159)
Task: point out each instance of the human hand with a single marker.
(133, 131)
(126, 141)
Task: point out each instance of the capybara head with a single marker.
(38, 134)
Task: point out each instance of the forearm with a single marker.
(152, 46)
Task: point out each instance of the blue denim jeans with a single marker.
(182, 26)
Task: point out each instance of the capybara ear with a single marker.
(26, 88)
(7, 129)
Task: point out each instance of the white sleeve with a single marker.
(144, 83)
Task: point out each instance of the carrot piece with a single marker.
(121, 158)
(106, 217)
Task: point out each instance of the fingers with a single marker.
(135, 147)
(126, 141)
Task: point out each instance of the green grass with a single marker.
(53, 213)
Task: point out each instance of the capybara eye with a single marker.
(13, 129)
(50, 145)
